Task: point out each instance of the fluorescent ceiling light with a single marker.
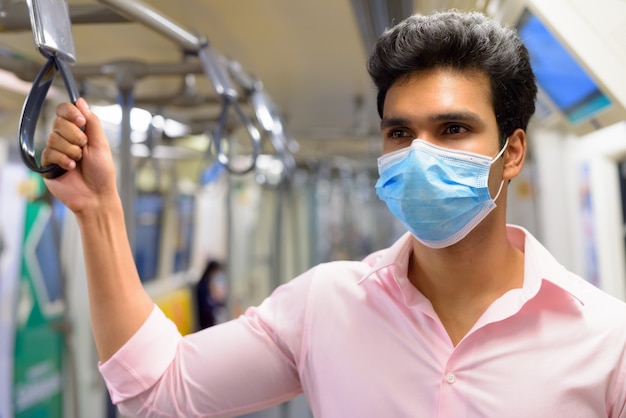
(140, 120)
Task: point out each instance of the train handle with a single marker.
(32, 108)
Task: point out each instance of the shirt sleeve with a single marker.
(240, 366)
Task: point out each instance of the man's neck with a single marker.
(461, 281)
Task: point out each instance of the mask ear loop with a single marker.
(506, 144)
(499, 190)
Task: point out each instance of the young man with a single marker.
(461, 317)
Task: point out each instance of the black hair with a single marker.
(211, 267)
(461, 41)
(205, 302)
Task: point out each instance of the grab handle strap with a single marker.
(32, 108)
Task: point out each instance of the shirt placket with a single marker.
(451, 384)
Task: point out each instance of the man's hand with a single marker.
(86, 155)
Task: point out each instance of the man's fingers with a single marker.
(69, 131)
(65, 146)
(71, 113)
(65, 142)
(51, 156)
(76, 130)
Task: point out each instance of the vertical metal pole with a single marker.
(229, 243)
(125, 85)
(278, 237)
(127, 175)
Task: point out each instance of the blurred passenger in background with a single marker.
(211, 295)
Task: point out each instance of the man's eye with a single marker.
(396, 133)
(455, 129)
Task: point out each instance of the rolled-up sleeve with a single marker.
(143, 359)
(243, 365)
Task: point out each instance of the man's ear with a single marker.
(514, 155)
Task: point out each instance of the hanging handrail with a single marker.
(266, 114)
(224, 88)
(213, 69)
(32, 108)
(53, 38)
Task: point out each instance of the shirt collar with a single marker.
(396, 256)
(539, 264)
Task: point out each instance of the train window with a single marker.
(186, 213)
(148, 212)
(561, 77)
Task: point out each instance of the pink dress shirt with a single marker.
(360, 341)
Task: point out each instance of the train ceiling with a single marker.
(310, 56)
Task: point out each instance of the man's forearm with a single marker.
(119, 304)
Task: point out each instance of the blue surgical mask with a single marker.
(439, 194)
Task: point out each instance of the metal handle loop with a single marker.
(270, 122)
(32, 108)
(253, 132)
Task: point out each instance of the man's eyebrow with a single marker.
(457, 116)
(393, 121)
(460, 116)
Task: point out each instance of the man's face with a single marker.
(445, 107)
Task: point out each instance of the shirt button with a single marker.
(450, 378)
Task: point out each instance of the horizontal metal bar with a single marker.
(213, 68)
(27, 70)
(93, 13)
(15, 18)
(139, 69)
(143, 13)
(180, 101)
